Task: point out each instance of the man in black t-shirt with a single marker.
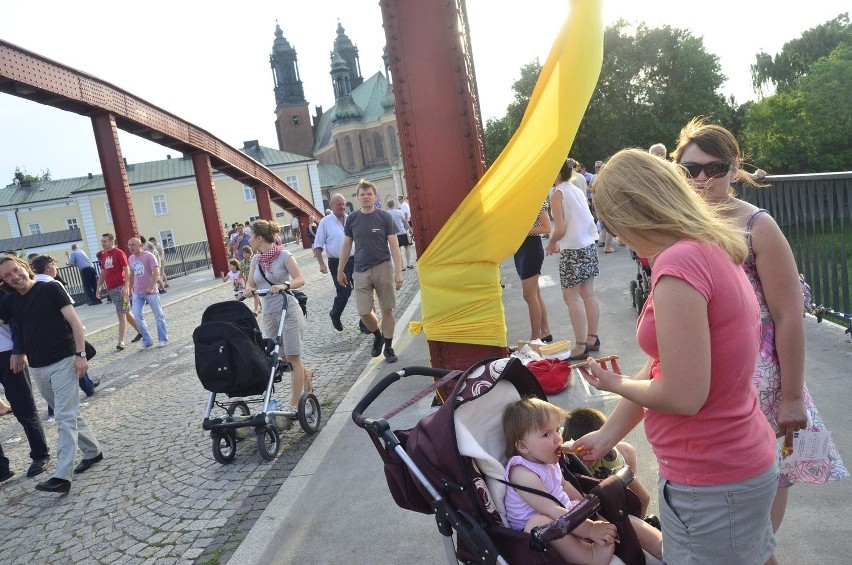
(55, 348)
(374, 233)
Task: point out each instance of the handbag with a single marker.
(552, 374)
(90, 350)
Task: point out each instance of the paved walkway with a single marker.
(159, 497)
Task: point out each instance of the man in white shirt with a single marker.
(405, 209)
(330, 237)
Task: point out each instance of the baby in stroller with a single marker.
(539, 493)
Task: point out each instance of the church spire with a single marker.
(285, 71)
(349, 53)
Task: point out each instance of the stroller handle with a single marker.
(376, 391)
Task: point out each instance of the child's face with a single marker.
(234, 268)
(247, 254)
(542, 445)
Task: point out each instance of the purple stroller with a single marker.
(451, 465)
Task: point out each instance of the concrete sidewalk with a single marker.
(335, 506)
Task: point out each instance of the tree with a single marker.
(498, 131)
(798, 56)
(27, 179)
(652, 83)
(807, 127)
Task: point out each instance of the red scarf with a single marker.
(265, 258)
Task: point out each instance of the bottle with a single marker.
(273, 405)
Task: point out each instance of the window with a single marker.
(35, 229)
(380, 146)
(167, 239)
(253, 219)
(108, 212)
(393, 144)
(161, 208)
(350, 154)
(71, 223)
(248, 194)
(293, 182)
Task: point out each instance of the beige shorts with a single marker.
(379, 278)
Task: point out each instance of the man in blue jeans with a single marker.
(54, 344)
(143, 277)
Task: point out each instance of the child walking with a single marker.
(531, 432)
(235, 277)
(245, 267)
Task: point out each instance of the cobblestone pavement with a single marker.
(158, 496)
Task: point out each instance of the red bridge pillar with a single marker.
(210, 212)
(264, 204)
(115, 178)
(439, 126)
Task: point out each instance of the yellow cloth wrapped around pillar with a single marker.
(459, 272)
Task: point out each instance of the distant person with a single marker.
(312, 231)
(528, 261)
(406, 209)
(245, 267)
(330, 238)
(239, 240)
(143, 275)
(402, 228)
(161, 258)
(234, 276)
(44, 267)
(573, 239)
(53, 341)
(114, 271)
(658, 149)
(373, 233)
(88, 275)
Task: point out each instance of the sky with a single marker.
(210, 65)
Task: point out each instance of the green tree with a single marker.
(798, 56)
(498, 131)
(808, 126)
(652, 82)
(27, 179)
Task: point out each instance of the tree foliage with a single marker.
(498, 131)
(807, 127)
(798, 56)
(27, 179)
(652, 82)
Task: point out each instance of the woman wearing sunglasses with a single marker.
(700, 328)
(711, 156)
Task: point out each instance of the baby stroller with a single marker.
(462, 485)
(232, 357)
(640, 287)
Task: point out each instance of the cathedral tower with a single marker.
(293, 120)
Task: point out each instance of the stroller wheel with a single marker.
(310, 415)
(268, 442)
(239, 408)
(633, 285)
(224, 446)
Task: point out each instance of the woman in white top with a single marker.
(574, 239)
(274, 268)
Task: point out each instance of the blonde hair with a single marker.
(525, 415)
(364, 184)
(641, 192)
(266, 229)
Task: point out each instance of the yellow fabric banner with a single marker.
(459, 272)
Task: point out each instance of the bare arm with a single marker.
(779, 276)
(558, 220)
(397, 260)
(156, 272)
(683, 335)
(250, 285)
(100, 284)
(318, 255)
(544, 224)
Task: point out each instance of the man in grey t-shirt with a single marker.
(375, 233)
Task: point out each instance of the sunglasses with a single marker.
(711, 170)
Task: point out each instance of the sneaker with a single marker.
(162, 291)
(335, 322)
(377, 347)
(390, 356)
(120, 346)
(137, 338)
(162, 344)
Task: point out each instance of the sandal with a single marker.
(610, 250)
(596, 346)
(309, 381)
(580, 356)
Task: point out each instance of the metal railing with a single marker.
(815, 213)
(179, 261)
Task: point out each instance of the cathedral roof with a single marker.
(281, 45)
(368, 97)
(333, 176)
